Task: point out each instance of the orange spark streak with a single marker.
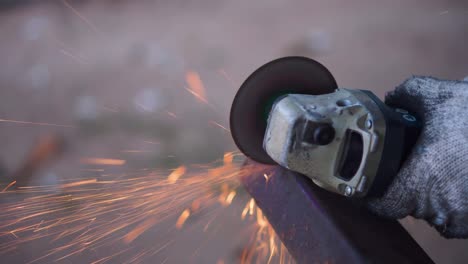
(244, 212)
(8, 186)
(196, 85)
(102, 161)
(176, 174)
(34, 123)
(228, 158)
(197, 95)
(71, 254)
(91, 214)
(182, 218)
(248, 209)
(80, 183)
(230, 197)
(264, 244)
(251, 206)
(266, 177)
(140, 229)
(273, 247)
(81, 16)
(261, 221)
(219, 125)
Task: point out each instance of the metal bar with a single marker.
(318, 226)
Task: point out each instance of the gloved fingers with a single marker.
(421, 95)
(400, 199)
(432, 182)
(416, 95)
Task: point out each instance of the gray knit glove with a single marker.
(433, 182)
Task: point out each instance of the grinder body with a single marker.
(347, 141)
(290, 112)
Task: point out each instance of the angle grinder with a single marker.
(291, 112)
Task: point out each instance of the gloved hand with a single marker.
(433, 182)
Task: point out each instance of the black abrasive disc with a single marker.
(253, 101)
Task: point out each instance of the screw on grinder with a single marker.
(291, 112)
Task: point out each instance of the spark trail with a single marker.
(111, 212)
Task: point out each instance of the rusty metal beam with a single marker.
(317, 226)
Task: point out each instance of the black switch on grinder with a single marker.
(291, 112)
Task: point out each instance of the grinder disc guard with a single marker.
(253, 101)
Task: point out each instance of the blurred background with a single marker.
(115, 79)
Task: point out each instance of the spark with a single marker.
(74, 57)
(103, 161)
(261, 220)
(13, 233)
(228, 158)
(219, 125)
(79, 183)
(87, 21)
(227, 77)
(197, 95)
(140, 229)
(182, 218)
(151, 142)
(264, 243)
(272, 243)
(65, 50)
(171, 114)
(8, 186)
(230, 197)
(196, 85)
(248, 209)
(143, 107)
(244, 212)
(91, 214)
(34, 123)
(110, 109)
(443, 13)
(266, 177)
(251, 206)
(176, 174)
(134, 151)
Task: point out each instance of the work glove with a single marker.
(432, 183)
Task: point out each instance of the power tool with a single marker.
(291, 112)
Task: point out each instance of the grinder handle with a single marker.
(402, 131)
(412, 127)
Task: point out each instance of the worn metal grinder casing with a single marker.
(347, 141)
(290, 112)
(326, 136)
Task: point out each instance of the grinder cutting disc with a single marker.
(253, 101)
